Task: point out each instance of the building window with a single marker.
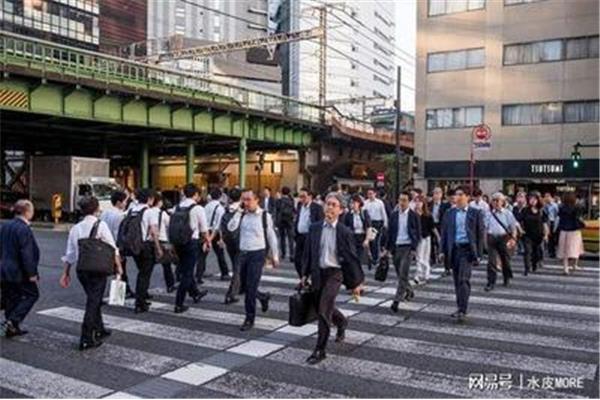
(515, 2)
(458, 117)
(551, 50)
(443, 7)
(456, 60)
(550, 113)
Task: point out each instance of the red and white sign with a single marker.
(482, 137)
(380, 177)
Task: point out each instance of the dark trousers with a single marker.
(145, 264)
(124, 277)
(497, 248)
(402, 260)
(94, 286)
(19, 298)
(375, 244)
(552, 241)
(534, 253)
(202, 256)
(251, 265)
(328, 313)
(359, 239)
(188, 256)
(234, 284)
(462, 263)
(168, 274)
(286, 236)
(298, 255)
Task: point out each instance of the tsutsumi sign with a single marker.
(546, 168)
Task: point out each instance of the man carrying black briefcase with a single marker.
(330, 259)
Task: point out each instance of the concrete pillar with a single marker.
(145, 165)
(242, 161)
(190, 158)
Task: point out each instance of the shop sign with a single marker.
(546, 168)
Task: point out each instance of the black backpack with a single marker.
(129, 239)
(285, 212)
(180, 231)
(95, 256)
(231, 239)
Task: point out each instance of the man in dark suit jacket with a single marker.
(462, 239)
(20, 255)
(267, 202)
(330, 259)
(307, 212)
(403, 238)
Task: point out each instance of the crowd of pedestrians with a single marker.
(329, 239)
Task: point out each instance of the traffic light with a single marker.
(575, 156)
(415, 165)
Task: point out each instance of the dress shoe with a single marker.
(225, 277)
(139, 309)
(488, 287)
(394, 306)
(247, 325)
(264, 303)
(11, 330)
(89, 344)
(181, 309)
(341, 332)
(507, 282)
(455, 314)
(171, 289)
(101, 334)
(316, 357)
(199, 296)
(409, 295)
(461, 318)
(231, 300)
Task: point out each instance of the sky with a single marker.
(406, 39)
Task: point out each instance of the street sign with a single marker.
(380, 177)
(482, 137)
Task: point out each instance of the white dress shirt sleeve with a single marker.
(384, 213)
(202, 223)
(272, 237)
(70, 256)
(234, 222)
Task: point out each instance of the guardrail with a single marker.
(48, 56)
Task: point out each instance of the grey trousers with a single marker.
(402, 255)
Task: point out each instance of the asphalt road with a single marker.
(528, 340)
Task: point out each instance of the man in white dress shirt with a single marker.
(257, 238)
(379, 220)
(214, 212)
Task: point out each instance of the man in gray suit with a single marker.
(463, 231)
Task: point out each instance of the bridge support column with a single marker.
(189, 162)
(242, 161)
(145, 165)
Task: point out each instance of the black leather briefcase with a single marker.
(303, 308)
(95, 256)
(382, 269)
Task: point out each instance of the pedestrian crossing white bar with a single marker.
(195, 374)
(39, 383)
(573, 279)
(121, 395)
(255, 348)
(251, 386)
(447, 384)
(485, 357)
(502, 335)
(151, 329)
(110, 354)
(499, 301)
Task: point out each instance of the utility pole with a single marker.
(323, 56)
(398, 131)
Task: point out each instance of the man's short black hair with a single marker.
(477, 192)
(118, 196)
(451, 192)
(304, 189)
(372, 189)
(267, 188)
(235, 194)
(285, 191)
(89, 205)
(465, 190)
(215, 194)
(189, 190)
(144, 194)
(404, 193)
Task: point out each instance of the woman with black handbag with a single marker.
(91, 248)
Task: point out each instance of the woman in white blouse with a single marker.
(94, 284)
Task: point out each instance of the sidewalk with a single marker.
(61, 227)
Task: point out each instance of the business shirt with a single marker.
(376, 210)
(154, 216)
(197, 218)
(304, 219)
(506, 217)
(551, 210)
(435, 212)
(460, 235)
(267, 201)
(403, 237)
(328, 246)
(214, 212)
(113, 217)
(357, 224)
(252, 235)
(480, 205)
(82, 231)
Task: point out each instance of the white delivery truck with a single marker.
(72, 178)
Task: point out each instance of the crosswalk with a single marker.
(520, 342)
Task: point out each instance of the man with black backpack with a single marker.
(214, 212)
(137, 237)
(256, 237)
(188, 232)
(285, 222)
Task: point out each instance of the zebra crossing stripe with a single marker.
(39, 383)
(195, 373)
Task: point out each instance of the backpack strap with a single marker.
(264, 225)
(94, 230)
(160, 214)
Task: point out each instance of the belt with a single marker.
(462, 245)
(251, 251)
(403, 245)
